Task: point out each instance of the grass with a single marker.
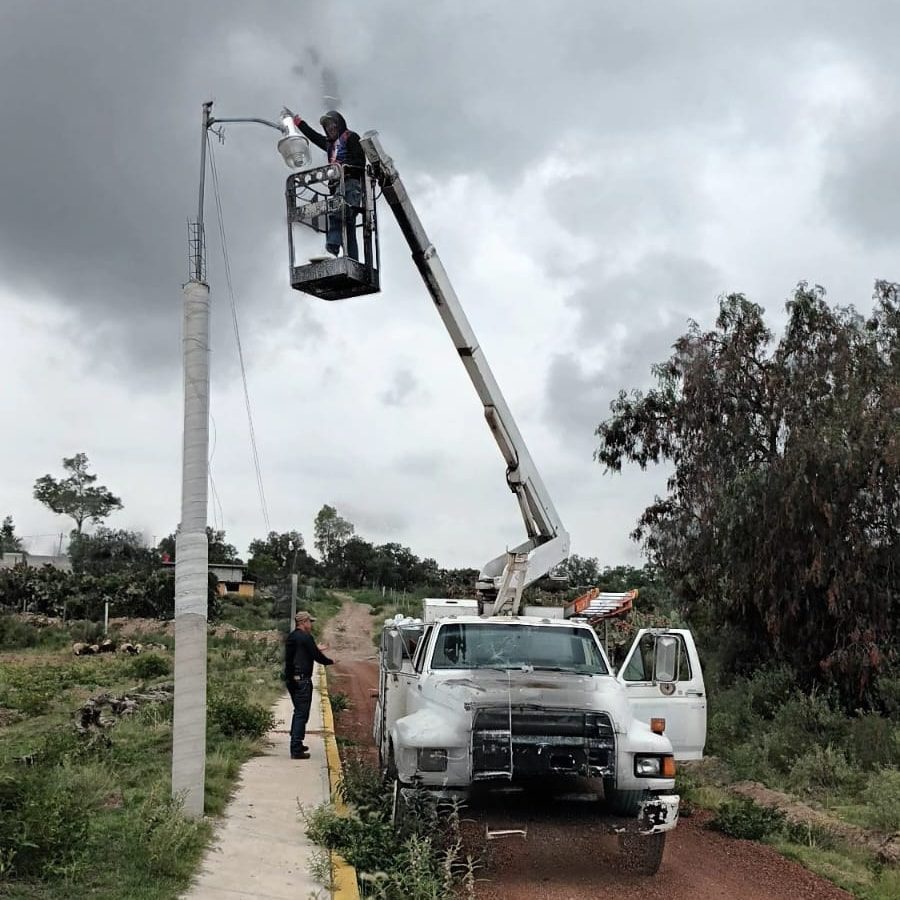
(92, 816)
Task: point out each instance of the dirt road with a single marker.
(566, 855)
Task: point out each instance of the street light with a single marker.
(192, 547)
(293, 147)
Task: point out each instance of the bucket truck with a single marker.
(485, 695)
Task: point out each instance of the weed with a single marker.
(339, 702)
(415, 855)
(320, 869)
(165, 834)
(235, 716)
(149, 667)
(742, 818)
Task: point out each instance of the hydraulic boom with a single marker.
(503, 578)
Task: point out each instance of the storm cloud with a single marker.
(594, 175)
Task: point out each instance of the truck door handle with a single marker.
(693, 693)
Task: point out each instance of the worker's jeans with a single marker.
(334, 238)
(301, 696)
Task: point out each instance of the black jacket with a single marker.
(349, 151)
(300, 651)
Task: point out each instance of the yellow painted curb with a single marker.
(344, 875)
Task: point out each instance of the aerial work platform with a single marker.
(316, 199)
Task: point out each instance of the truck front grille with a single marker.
(527, 742)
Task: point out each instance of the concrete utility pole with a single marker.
(191, 544)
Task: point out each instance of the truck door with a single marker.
(671, 689)
(394, 684)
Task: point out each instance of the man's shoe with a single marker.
(299, 756)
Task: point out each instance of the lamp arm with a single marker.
(278, 128)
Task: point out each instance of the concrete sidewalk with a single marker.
(260, 850)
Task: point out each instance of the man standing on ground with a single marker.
(300, 652)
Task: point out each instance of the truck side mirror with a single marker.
(665, 658)
(392, 651)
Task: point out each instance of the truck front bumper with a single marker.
(659, 813)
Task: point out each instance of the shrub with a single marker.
(85, 632)
(822, 768)
(872, 742)
(887, 689)
(802, 720)
(236, 716)
(16, 635)
(363, 787)
(769, 688)
(882, 796)
(151, 666)
(742, 818)
(165, 835)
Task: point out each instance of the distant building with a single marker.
(34, 561)
(231, 579)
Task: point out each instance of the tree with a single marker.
(278, 557)
(782, 514)
(76, 495)
(331, 534)
(9, 543)
(582, 571)
(219, 550)
(113, 550)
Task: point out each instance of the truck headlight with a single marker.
(654, 766)
(432, 760)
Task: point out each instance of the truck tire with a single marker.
(623, 803)
(642, 853)
(388, 766)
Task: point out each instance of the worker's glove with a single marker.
(286, 112)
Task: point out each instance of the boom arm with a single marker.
(548, 542)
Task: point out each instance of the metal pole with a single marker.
(106, 617)
(293, 599)
(191, 544)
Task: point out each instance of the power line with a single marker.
(237, 336)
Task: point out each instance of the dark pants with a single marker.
(301, 696)
(350, 208)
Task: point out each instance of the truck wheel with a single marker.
(389, 767)
(623, 803)
(642, 853)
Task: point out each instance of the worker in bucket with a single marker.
(341, 146)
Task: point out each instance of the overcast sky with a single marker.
(592, 173)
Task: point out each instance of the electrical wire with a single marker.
(237, 337)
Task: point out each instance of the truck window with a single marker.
(640, 666)
(490, 645)
(422, 649)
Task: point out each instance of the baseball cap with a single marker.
(303, 617)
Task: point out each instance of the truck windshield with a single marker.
(492, 646)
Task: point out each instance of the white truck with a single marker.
(468, 699)
(476, 692)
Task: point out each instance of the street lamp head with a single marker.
(293, 147)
